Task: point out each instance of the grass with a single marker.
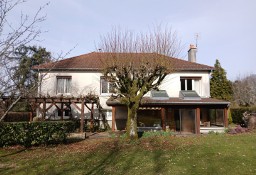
(205, 154)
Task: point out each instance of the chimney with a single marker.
(192, 53)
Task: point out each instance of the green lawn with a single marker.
(207, 154)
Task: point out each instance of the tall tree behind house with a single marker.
(221, 87)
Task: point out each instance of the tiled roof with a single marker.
(94, 61)
(147, 101)
(179, 101)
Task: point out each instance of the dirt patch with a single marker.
(6, 165)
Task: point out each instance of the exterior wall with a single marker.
(172, 83)
(82, 83)
(86, 82)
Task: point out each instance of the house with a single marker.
(183, 103)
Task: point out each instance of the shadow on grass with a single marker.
(109, 165)
(106, 161)
(13, 153)
(73, 140)
(116, 158)
(158, 162)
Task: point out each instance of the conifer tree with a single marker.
(221, 87)
(23, 76)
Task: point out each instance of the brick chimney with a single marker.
(192, 53)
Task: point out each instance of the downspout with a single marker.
(39, 90)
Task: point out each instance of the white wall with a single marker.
(172, 85)
(86, 82)
(82, 83)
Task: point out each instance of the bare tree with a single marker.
(137, 63)
(13, 34)
(245, 90)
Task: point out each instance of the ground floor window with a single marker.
(211, 117)
(217, 117)
(149, 118)
(185, 120)
(107, 114)
(65, 112)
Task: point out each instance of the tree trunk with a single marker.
(10, 108)
(131, 124)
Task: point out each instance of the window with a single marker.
(63, 84)
(108, 115)
(106, 86)
(190, 83)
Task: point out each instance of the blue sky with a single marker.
(227, 29)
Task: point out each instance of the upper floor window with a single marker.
(63, 84)
(106, 86)
(190, 83)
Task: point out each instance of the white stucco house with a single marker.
(183, 103)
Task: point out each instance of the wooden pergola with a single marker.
(44, 104)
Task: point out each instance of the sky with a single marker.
(226, 29)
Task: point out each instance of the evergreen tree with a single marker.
(221, 87)
(28, 56)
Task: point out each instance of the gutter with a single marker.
(117, 103)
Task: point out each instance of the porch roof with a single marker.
(147, 101)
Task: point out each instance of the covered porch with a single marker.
(177, 115)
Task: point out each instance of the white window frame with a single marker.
(194, 80)
(108, 114)
(67, 80)
(108, 86)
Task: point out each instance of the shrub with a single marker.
(18, 117)
(237, 113)
(35, 133)
(156, 133)
(237, 129)
(230, 120)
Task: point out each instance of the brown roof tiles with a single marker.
(147, 101)
(94, 61)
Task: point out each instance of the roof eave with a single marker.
(69, 69)
(166, 103)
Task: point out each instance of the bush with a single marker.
(237, 113)
(155, 134)
(230, 119)
(18, 117)
(35, 133)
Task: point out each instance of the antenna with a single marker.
(196, 38)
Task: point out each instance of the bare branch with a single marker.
(137, 64)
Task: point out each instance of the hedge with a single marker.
(35, 133)
(19, 116)
(237, 113)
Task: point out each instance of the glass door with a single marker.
(188, 121)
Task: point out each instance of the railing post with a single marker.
(82, 117)
(197, 120)
(225, 117)
(163, 118)
(113, 118)
(44, 108)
